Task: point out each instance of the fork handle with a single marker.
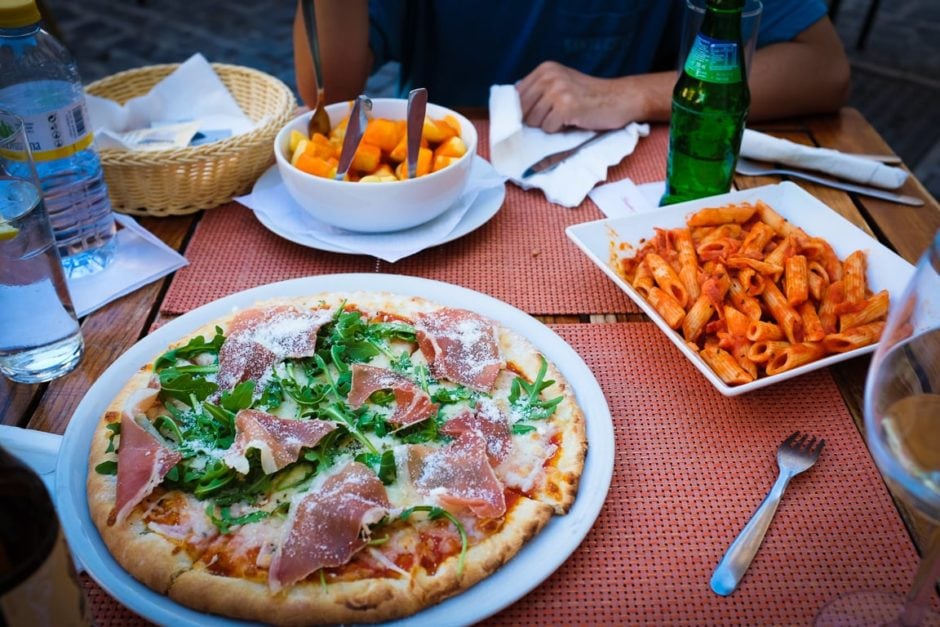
(739, 555)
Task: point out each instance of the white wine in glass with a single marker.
(902, 429)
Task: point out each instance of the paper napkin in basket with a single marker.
(272, 202)
(755, 145)
(191, 93)
(514, 147)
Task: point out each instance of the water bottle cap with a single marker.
(18, 13)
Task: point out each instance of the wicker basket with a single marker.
(185, 180)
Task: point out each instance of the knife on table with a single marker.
(551, 161)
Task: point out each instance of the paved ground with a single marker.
(896, 77)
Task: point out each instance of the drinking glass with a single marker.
(902, 428)
(39, 333)
(692, 23)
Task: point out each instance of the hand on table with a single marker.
(554, 96)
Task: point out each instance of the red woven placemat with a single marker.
(690, 468)
(521, 256)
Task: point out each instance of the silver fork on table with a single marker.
(794, 455)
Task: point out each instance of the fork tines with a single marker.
(804, 442)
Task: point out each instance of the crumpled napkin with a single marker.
(191, 93)
(755, 145)
(140, 258)
(514, 147)
(270, 199)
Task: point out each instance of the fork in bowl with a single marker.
(794, 455)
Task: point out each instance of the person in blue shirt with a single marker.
(593, 64)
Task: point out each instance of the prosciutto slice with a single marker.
(412, 403)
(143, 461)
(328, 526)
(279, 440)
(459, 475)
(259, 338)
(491, 422)
(461, 346)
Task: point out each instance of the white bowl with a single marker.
(376, 207)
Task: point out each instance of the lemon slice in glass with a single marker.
(7, 231)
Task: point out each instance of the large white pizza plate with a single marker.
(886, 270)
(535, 562)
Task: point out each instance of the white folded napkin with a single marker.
(755, 145)
(140, 258)
(191, 93)
(270, 199)
(514, 147)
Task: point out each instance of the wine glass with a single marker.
(902, 428)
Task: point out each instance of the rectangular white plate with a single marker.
(886, 270)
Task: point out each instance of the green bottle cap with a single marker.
(18, 13)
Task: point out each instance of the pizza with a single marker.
(341, 457)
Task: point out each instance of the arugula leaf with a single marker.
(433, 514)
(184, 386)
(327, 449)
(519, 428)
(388, 331)
(524, 398)
(196, 346)
(340, 413)
(239, 398)
(115, 429)
(383, 465)
(271, 397)
(382, 398)
(216, 476)
(106, 468)
(424, 431)
(444, 396)
(402, 363)
(225, 521)
(169, 429)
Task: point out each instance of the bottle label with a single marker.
(58, 133)
(713, 60)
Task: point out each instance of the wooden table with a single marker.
(112, 330)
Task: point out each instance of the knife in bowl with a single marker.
(358, 118)
(550, 162)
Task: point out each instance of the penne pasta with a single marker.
(853, 338)
(667, 307)
(688, 261)
(794, 356)
(758, 331)
(738, 214)
(643, 280)
(827, 308)
(871, 309)
(854, 277)
(796, 280)
(666, 278)
(813, 330)
(764, 350)
(725, 366)
(818, 279)
(743, 301)
(752, 293)
(784, 314)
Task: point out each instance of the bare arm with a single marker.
(343, 31)
(809, 74)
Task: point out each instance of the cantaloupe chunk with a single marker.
(452, 147)
(367, 158)
(316, 166)
(382, 133)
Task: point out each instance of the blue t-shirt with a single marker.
(458, 48)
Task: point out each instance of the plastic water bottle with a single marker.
(40, 83)
(709, 107)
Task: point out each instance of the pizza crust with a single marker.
(168, 567)
(365, 601)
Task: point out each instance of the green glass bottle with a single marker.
(709, 108)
